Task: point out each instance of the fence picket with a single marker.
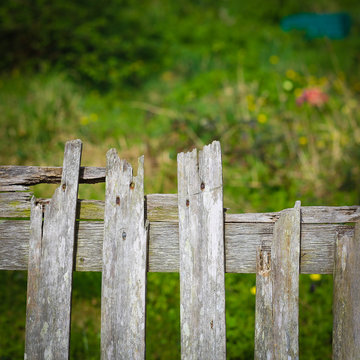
(264, 344)
(124, 262)
(285, 254)
(189, 233)
(33, 308)
(346, 297)
(201, 241)
(49, 296)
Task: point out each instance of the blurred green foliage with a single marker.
(158, 78)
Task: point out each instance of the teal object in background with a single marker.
(333, 26)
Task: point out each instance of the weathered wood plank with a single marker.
(163, 208)
(15, 204)
(252, 217)
(346, 296)
(32, 175)
(329, 214)
(285, 254)
(201, 242)
(241, 241)
(14, 244)
(264, 344)
(7, 188)
(50, 333)
(309, 215)
(33, 305)
(124, 262)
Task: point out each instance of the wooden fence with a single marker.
(125, 236)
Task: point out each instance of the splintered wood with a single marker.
(51, 266)
(264, 344)
(124, 262)
(285, 254)
(189, 232)
(201, 242)
(277, 291)
(346, 298)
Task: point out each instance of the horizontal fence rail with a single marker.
(320, 227)
(130, 233)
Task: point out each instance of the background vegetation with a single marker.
(160, 77)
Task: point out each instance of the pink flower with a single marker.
(312, 96)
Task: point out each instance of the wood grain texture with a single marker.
(241, 241)
(15, 204)
(264, 342)
(33, 305)
(201, 243)
(6, 188)
(309, 215)
(124, 262)
(285, 254)
(50, 287)
(164, 208)
(33, 175)
(346, 296)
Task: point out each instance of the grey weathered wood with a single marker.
(15, 204)
(201, 242)
(33, 305)
(346, 297)
(309, 215)
(32, 175)
(252, 217)
(241, 241)
(164, 208)
(50, 333)
(7, 188)
(264, 344)
(124, 262)
(285, 254)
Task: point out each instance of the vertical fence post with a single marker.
(264, 344)
(285, 257)
(124, 262)
(33, 308)
(201, 241)
(51, 266)
(346, 297)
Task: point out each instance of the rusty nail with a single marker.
(187, 202)
(202, 186)
(118, 200)
(124, 235)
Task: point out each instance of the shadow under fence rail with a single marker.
(129, 234)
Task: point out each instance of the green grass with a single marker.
(191, 73)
